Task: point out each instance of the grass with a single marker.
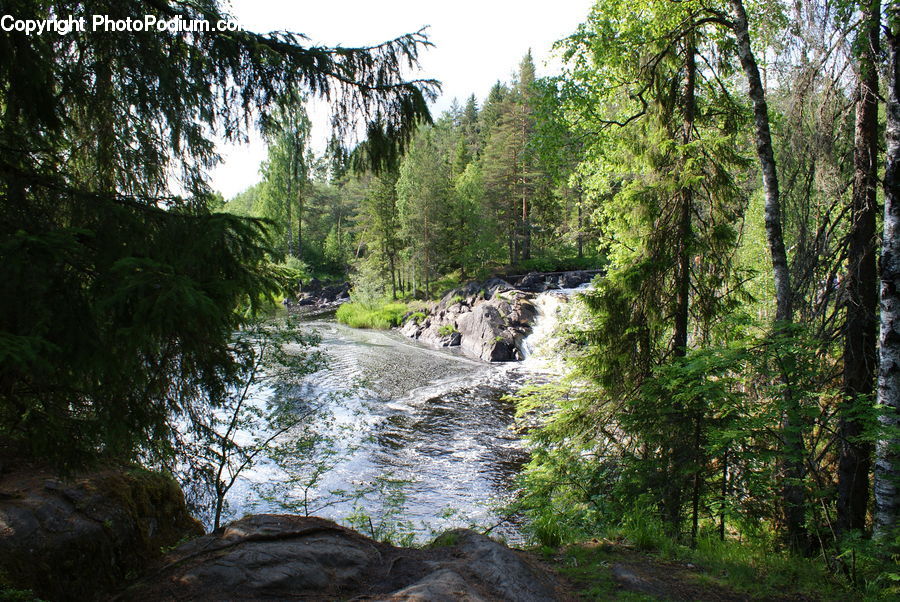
(588, 568)
(755, 568)
(446, 330)
(708, 571)
(377, 316)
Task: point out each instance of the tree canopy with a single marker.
(121, 289)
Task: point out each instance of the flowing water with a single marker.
(431, 426)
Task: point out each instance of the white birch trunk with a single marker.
(887, 465)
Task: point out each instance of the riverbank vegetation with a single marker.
(724, 384)
(362, 315)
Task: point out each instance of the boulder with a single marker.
(492, 318)
(441, 586)
(494, 285)
(277, 557)
(574, 279)
(483, 335)
(265, 556)
(501, 569)
(533, 282)
(81, 537)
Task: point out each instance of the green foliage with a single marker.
(132, 292)
(226, 439)
(562, 263)
(364, 315)
(386, 524)
(17, 595)
(447, 329)
(416, 317)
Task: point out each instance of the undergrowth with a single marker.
(758, 566)
(365, 315)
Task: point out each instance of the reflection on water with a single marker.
(432, 419)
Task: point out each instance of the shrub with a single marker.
(416, 317)
(447, 329)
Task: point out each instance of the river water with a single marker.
(425, 433)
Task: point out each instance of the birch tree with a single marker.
(793, 471)
(887, 466)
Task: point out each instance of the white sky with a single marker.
(476, 43)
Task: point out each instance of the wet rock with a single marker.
(411, 329)
(533, 282)
(575, 279)
(319, 295)
(495, 285)
(492, 318)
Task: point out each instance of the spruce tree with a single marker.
(121, 290)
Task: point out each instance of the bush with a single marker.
(365, 315)
(446, 330)
(561, 264)
(416, 317)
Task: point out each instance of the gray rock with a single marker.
(265, 556)
(78, 538)
(503, 570)
(574, 279)
(482, 335)
(494, 285)
(534, 282)
(276, 557)
(441, 586)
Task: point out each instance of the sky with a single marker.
(476, 43)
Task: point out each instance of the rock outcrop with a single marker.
(81, 537)
(279, 557)
(315, 294)
(489, 320)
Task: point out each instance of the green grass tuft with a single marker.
(363, 315)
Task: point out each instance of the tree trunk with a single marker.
(580, 239)
(861, 300)
(288, 201)
(680, 454)
(686, 199)
(792, 464)
(887, 464)
(299, 221)
(526, 220)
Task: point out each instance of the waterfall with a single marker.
(554, 310)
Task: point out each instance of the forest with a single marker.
(732, 166)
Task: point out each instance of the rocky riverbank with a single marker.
(271, 556)
(319, 295)
(103, 534)
(489, 320)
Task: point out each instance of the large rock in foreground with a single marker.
(269, 557)
(78, 538)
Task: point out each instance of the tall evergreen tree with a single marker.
(133, 291)
(861, 299)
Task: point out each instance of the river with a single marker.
(427, 428)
